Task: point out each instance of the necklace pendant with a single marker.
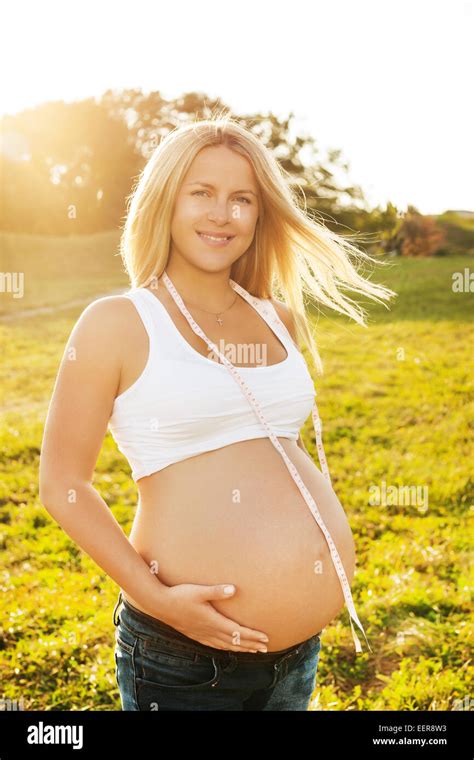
(219, 321)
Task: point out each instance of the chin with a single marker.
(214, 261)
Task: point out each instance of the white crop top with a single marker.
(184, 404)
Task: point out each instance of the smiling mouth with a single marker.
(215, 238)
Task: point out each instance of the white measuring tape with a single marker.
(291, 467)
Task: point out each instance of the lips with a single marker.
(216, 235)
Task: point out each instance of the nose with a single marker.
(219, 212)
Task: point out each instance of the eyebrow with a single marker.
(207, 184)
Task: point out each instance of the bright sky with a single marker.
(389, 83)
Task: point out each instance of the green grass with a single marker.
(396, 402)
(57, 270)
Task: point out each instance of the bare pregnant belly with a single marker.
(236, 515)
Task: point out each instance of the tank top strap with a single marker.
(142, 305)
(167, 341)
(280, 324)
(267, 311)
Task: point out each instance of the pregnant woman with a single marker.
(240, 552)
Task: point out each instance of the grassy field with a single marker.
(58, 270)
(396, 401)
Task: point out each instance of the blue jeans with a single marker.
(159, 668)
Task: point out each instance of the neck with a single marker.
(210, 290)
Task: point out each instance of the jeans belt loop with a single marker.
(277, 665)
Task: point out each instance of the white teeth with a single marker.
(209, 237)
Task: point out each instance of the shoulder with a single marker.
(286, 316)
(108, 321)
(108, 311)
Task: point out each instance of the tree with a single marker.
(419, 235)
(78, 160)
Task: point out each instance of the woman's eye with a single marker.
(242, 198)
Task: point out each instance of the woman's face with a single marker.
(219, 195)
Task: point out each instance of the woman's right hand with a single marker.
(189, 609)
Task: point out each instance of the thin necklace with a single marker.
(219, 321)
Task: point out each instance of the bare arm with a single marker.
(76, 425)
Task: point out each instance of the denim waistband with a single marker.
(141, 623)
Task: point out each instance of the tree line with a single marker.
(67, 169)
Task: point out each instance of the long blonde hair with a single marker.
(291, 254)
